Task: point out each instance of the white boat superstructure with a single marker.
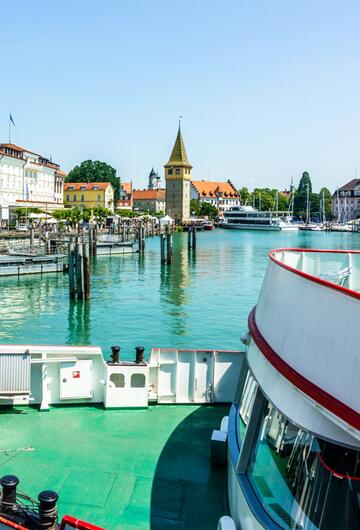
(294, 427)
(249, 218)
(60, 375)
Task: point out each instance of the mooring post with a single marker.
(71, 268)
(193, 236)
(189, 236)
(142, 228)
(31, 240)
(162, 248)
(94, 241)
(169, 249)
(79, 272)
(86, 267)
(90, 240)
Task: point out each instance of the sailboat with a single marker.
(313, 227)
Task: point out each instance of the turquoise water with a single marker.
(200, 301)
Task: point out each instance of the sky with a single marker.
(267, 88)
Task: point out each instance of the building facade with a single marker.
(149, 200)
(222, 195)
(28, 179)
(345, 202)
(178, 177)
(89, 195)
(125, 201)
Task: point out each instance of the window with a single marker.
(70, 188)
(83, 188)
(67, 197)
(96, 187)
(138, 381)
(301, 480)
(170, 171)
(82, 198)
(117, 380)
(74, 198)
(99, 198)
(177, 171)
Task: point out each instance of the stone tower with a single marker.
(178, 177)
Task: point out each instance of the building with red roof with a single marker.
(223, 195)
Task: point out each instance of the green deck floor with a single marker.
(120, 469)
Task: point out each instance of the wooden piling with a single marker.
(91, 238)
(189, 236)
(31, 240)
(162, 248)
(169, 247)
(94, 242)
(193, 236)
(86, 269)
(71, 269)
(79, 270)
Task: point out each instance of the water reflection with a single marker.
(174, 286)
(79, 323)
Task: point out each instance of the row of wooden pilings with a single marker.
(79, 269)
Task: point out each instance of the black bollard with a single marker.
(47, 509)
(115, 354)
(8, 498)
(139, 354)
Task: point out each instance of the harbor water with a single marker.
(202, 300)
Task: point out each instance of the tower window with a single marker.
(169, 171)
(177, 171)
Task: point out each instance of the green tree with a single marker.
(101, 213)
(305, 181)
(245, 196)
(263, 199)
(126, 213)
(195, 207)
(209, 210)
(301, 196)
(95, 171)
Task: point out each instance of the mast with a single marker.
(323, 208)
(307, 204)
(338, 204)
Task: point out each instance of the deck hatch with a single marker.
(15, 373)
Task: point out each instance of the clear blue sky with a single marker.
(267, 88)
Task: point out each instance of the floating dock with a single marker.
(27, 263)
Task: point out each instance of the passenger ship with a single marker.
(291, 440)
(249, 218)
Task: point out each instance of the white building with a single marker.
(345, 202)
(28, 179)
(223, 195)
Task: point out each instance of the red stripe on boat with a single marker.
(316, 393)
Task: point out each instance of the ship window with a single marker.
(117, 380)
(299, 478)
(137, 381)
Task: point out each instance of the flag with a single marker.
(12, 121)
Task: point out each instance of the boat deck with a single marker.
(120, 469)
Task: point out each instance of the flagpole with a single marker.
(9, 127)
